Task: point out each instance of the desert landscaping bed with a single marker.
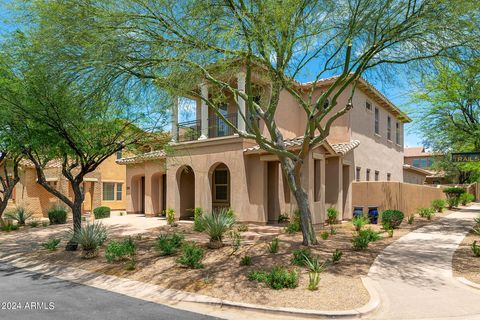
(340, 287)
(465, 264)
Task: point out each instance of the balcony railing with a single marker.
(217, 127)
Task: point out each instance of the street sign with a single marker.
(466, 157)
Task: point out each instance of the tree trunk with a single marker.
(3, 206)
(293, 179)
(77, 214)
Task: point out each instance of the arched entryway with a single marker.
(137, 187)
(220, 186)
(186, 187)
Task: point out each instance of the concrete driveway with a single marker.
(55, 299)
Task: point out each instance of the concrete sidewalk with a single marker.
(413, 276)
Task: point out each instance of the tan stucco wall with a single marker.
(413, 177)
(394, 195)
(375, 151)
(32, 196)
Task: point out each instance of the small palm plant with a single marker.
(216, 224)
(90, 237)
(19, 214)
(315, 267)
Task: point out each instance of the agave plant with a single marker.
(90, 237)
(19, 214)
(216, 224)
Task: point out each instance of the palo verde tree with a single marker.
(178, 44)
(449, 112)
(56, 119)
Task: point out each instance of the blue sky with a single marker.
(397, 91)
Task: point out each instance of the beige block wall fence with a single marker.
(401, 196)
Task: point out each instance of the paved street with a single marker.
(63, 300)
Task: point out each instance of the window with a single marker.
(119, 154)
(389, 176)
(389, 128)
(397, 133)
(119, 191)
(108, 191)
(358, 173)
(220, 180)
(367, 177)
(368, 106)
(422, 162)
(377, 121)
(377, 175)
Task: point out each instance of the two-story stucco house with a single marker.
(211, 167)
(103, 187)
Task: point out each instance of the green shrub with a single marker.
(120, 250)
(168, 244)
(333, 231)
(273, 245)
(216, 224)
(453, 196)
(360, 242)
(18, 214)
(295, 225)
(236, 240)
(51, 244)
(283, 218)
(337, 255)
(197, 222)
(324, 235)
(34, 223)
(170, 216)
(313, 280)
(314, 265)
(191, 256)
(476, 230)
(426, 213)
(359, 222)
(300, 256)
(131, 264)
(90, 237)
(393, 217)
(259, 276)
(410, 219)
(477, 220)
(438, 204)
(450, 191)
(277, 278)
(370, 234)
(246, 261)
(453, 202)
(292, 228)
(57, 215)
(9, 227)
(466, 198)
(332, 215)
(475, 249)
(44, 224)
(242, 228)
(390, 233)
(101, 212)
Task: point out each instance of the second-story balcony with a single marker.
(217, 127)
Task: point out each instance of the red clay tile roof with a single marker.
(415, 152)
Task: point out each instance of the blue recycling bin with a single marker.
(357, 212)
(373, 214)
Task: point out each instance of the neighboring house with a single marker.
(103, 187)
(209, 167)
(419, 167)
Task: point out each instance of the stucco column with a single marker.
(148, 195)
(241, 102)
(204, 112)
(174, 120)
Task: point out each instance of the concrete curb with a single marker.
(468, 283)
(157, 294)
